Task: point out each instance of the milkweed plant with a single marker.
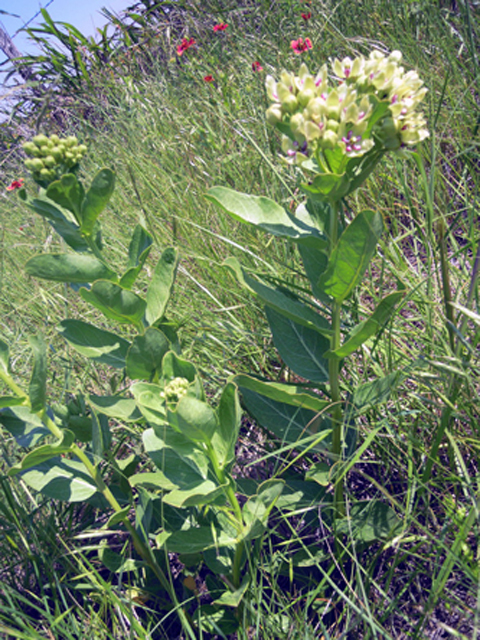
(335, 128)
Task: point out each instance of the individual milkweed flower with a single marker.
(208, 78)
(306, 16)
(220, 27)
(300, 45)
(185, 44)
(16, 184)
(256, 66)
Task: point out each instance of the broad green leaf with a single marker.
(123, 409)
(302, 495)
(229, 415)
(68, 193)
(220, 559)
(289, 423)
(95, 343)
(61, 479)
(175, 367)
(368, 327)
(116, 303)
(96, 199)
(369, 521)
(195, 419)
(10, 401)
(300, 347)
(101, 436)
(314, 262)
(144, 358)
(37, 389)
(4, 356)
(286, 393)
(194, 495)
(257, 508)
(265, 214)
(326, 186)
(152, 480)
(61, 220)
(233, 598)
(150, 402)
(281, 300)
(143, 513)
(351, 255)
(176, 456)
(194, 540)
(26, 427)
(378, 391)
(68, 267)
(117, 517)
(160, 287)
(138, 251)
(319, 472)
(44, 453)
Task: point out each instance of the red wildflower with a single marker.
(306, 16)
(16, 184)
(256, 66)
(299, 46)
(220, 27)
(186, 44)
(208, 78)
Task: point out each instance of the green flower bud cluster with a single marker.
(49, 158)
(317, 113)
(175, 390)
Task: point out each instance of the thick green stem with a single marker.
(333, 374)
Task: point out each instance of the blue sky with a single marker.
(83, 14)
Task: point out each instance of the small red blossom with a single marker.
(256, 66)
(186, 44)
(299, 46)
(306, 16)
(208, 78)
(220, 27)
(16, 184)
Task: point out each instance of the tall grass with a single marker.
(171, 136)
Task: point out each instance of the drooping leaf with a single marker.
(37, 389)
(44, 453)
(115, 302)
(290, 424)
(281, 300)
(286, 393)
(175, 367)
(26, 427)
(160, 288)
(150, 402)
(351, 255)
(234, 598)
(193, 540)
(123, 409)
(196, 494)
(96, 199)
(300, 347)
(371, 394)
(266, 215)
(364, 330)
(144, 358)
(10, 401)
(61, 220)
(61, 479)
(68, 267)
(95, 343)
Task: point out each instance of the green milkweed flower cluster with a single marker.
(316, 113)
(175, 390)
(51, 157)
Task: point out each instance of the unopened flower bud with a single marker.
(274, 114)
(40, 140)
(290, 104)
(329, 140)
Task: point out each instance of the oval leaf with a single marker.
(115, 302)
(68, 267)
(144, 358)
(96, 199)
(160, 288)
(95, 343)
